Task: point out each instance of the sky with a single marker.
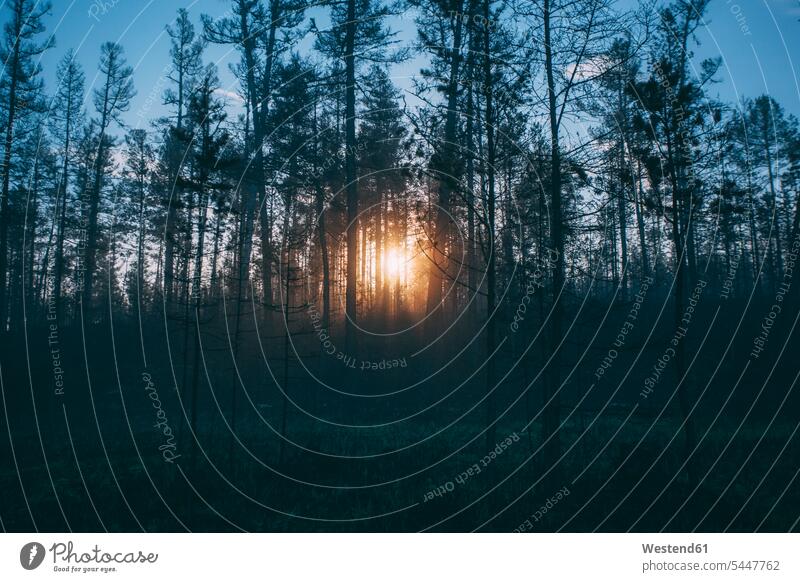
(758, 40)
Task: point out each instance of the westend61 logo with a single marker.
(66, 559)
(31, 555)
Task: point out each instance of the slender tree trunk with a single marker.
(187, 290)
(552, 413)
(470, 137)
(622, 208)
(5, 211)
(43, 280)
(390, 238)
(30, 239)
(326, 271)
(639, 193)
(753, 232)
(215, 253)
(491, 340)
(379, 249)
(447, 182)
(172, 213)
(169, 255)
(62, 216)
(261, 120)
(322, 237)
(197, 278)
(94, 204)
(351, 184)
(679, 234)
(287, 299)
(773, 197)
(140, 243)
(362, 241)
(92, 226)
(254, 190)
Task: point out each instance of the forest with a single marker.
(516, 270)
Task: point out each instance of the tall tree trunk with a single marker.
(326, 270)
(447, 182)
(639, 193)
(94, 200)
(197, 277)
(172, 213)
(364, 261)
(379, 249)
(773, 197)
(255, 188)
(322, 237)
(287, 306)
(552, 413)
(61, 211)
(92, 226)
(622, 208)
(683, 232)
(679, 232)
(5, 211)
(215, 253)
(472, 279)
(140, 243)
(351, 307)
(756, 252)
(30, 237)
(491, 339)
(169, 253)
(265, 216)
(390, 238)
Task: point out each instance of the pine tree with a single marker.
(21, 88)
(111, 99)
(381, 146)
(673, 102)
(67, 116)
(357, 34)
(186, 51)
(139, 161)
(767, 133)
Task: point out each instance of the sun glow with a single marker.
(394, 263)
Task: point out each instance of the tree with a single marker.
(67, 116)
(139, 161)
(208, 176)
(673, 103)
(21, 88)
(291, 139)
(767, 135)
(571, 33)
(247, 28)
(380, 139)
(251, 27)
(617, 131)
(357, 34)
(446, 163)
(186, 51)
(111, 99)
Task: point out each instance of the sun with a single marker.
(394, 263)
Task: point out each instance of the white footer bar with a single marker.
(400, 557)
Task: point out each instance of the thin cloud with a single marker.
(230, 95)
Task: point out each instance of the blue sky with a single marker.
(759, 41)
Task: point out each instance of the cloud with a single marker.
(790, 7)
(230, 95)
(589, 68)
